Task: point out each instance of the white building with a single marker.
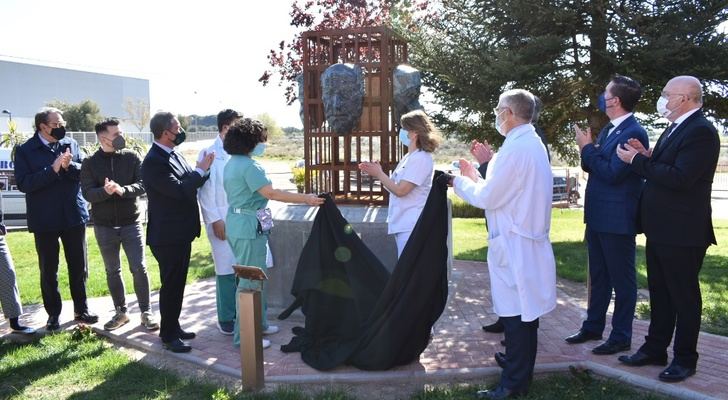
(25, 88)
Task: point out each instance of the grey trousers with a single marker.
(9, 295)
(130, 237)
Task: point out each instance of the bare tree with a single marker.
(137, 111)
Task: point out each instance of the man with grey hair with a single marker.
(675, 216)
(47, 168)
(516, 196)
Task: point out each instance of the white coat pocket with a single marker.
(498, 259)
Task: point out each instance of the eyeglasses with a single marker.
(497, 110)
(57, 124)
(668, 94)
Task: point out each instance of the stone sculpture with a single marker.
(342, 92)
(406, 85)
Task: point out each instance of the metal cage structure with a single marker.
(331, 159)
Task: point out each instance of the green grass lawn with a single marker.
(80, 365)
(25, 258)
(470, 243)
(567, 234)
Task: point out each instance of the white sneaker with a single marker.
(266, 343)
(271, 330)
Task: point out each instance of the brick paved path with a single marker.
(459, 350)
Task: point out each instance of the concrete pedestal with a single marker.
(293, 225)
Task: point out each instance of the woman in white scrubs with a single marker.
(411, 181)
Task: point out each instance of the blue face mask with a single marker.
(258, 150)
(602, 103)
(404, 137)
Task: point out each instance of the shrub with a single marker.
(461, 209)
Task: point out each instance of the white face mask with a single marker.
(499, 124)
(662, 106)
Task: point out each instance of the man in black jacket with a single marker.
(111, 181)
(675, 215)
(174, 220)
(47, 168)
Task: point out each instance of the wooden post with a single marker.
(251, 337)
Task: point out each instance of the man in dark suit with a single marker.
(610, 214)
(675, 215)
(174, 220)
(47, 168)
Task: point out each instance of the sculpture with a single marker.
(342, 92)
(406, 87)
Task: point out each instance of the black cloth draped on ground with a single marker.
(356, 313)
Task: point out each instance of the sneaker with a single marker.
(266, 343)
(226, 328)
(271, 330)
(149, 321)
(86, 317)
(117, 321)
(23, 330)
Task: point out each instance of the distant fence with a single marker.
(84, 138)
(720, 180)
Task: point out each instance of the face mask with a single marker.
(404, 137)
(180, 137)
(258, 150)
(662, 106)
(58, 133)
(499, 123)
(602, 103)
(118, 143)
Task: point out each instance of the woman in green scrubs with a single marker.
(248, 190)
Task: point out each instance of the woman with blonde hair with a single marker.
(411, 181)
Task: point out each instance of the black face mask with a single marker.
(58, 133)
(180, 137)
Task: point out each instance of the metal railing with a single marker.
(84, 138)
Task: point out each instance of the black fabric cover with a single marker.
(356, 313)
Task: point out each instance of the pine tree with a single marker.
(565, 52)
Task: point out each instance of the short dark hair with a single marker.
(104, 125)
(41, 117)
(244, 134)
(628, 90)
(225, 117)
(159, 122)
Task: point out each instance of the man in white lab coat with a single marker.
(214, 205)
(516, 196)
(214, 208)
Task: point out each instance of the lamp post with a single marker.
(10, 115)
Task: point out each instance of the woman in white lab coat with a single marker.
(411, 181)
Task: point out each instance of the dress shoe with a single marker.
(582, 336)
(52, 324)
(186, 335)
(177, 346)
(500, 393)
(495, 327)
(86, 317)
(611, 347)
(500, 358)
(639, 359)
(23, 330)
(676, 373)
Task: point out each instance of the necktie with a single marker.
(54, 147)
(663, 138)
(605, 132)
(670, 129)
(182, 163)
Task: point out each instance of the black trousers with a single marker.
(74, 248)
(521, 346)
(675, 301)
(174, 261)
